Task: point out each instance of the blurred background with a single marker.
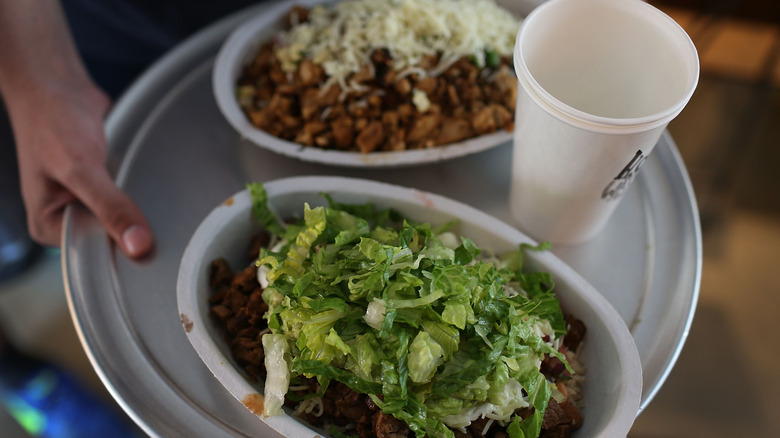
(726, 380)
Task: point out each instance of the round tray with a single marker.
(175, 155)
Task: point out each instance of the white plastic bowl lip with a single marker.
(239, 48)
(582, 119)
(613, 384)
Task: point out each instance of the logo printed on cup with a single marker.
(617, 186)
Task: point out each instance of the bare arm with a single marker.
(57, 113)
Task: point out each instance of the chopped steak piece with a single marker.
(387, 426)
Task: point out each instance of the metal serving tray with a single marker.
(175, 155)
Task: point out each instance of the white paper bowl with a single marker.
(613, 383)
(241, 46)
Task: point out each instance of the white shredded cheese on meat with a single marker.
(341, 37)
(420, 100)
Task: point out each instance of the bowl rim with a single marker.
(232, 55)
(192, 266)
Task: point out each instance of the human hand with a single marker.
(61, 148)
(56, 112)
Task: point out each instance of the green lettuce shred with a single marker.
(378, 302)
(260, 209)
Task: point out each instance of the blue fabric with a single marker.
(17, 250)
(118, 39)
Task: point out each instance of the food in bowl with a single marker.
(379, 75)
(375, 324)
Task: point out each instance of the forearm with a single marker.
(57, 117)
(37, 50)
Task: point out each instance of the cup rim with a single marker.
(592, 122)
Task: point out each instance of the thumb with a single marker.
(121, 217)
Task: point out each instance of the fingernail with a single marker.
(136, 240)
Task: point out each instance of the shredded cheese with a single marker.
(342, 37)
(420, 100)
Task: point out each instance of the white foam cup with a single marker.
(599, 81)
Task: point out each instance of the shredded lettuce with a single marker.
(277, 379)
(261, 211)
(416, 317)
